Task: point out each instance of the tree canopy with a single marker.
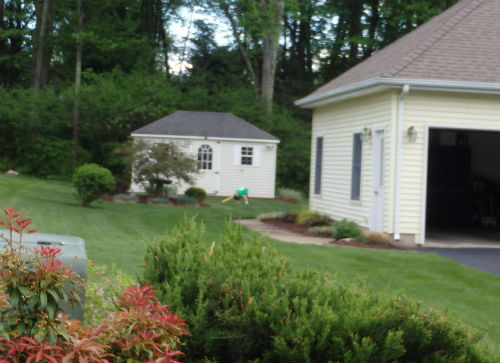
(76, 77)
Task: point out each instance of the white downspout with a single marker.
(399, 157)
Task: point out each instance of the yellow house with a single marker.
(408, 141)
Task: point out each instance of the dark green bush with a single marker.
(243, 302)
(198, 193)
(91, 181)
(347, 229)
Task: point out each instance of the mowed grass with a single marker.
(114, 233)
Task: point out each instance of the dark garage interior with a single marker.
(463, 185)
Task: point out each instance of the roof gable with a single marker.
(204, 124)
(462, 44)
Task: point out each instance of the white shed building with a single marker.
(230, 151)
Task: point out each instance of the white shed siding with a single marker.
(424, 109)
(337, 123)
(260, 180)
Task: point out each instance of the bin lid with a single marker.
(46, 239)
(70, 245)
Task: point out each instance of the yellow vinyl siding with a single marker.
(425, 108)
(337, 123)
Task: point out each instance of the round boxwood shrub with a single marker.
(197, 193)
(91, 181)
(347, 229)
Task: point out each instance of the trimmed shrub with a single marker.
(184, 199)
(377, 238)
(91, 181)
(347, 229)
(243, 302)
(312, 218)
(321, 230)
(197, 193)
(290, 195)
(290, 217)
(271, 216)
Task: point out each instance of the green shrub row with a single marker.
(243, 302)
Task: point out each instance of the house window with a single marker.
(319, 165)
(356, 167)
(246, 155)
(205, 157)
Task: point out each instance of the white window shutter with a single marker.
(237, 155)
(256, 156)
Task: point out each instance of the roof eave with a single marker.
(379, 84)
(215, 138)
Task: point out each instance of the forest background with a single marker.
(77, 76)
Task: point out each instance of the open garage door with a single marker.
(463, 186)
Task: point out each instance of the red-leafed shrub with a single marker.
(34, 282)
(143, 330)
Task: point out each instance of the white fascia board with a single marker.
(159, 136)
(243, 140)
(378, 84)
(205, 138)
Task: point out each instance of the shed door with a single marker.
(377, 208)
(207, 154)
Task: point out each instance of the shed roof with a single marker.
(204, 124)
(462, 44)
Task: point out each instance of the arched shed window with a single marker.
(205, 157)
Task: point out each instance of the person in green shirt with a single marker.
(241, 193)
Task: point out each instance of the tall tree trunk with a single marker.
(374, 22)
(355, 9)
(241, 46)
(78, 82)
(272, 13)
(41, 33)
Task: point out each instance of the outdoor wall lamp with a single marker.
(412, 133)
(366, 134)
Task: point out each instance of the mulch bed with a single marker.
(143, 199)
(352, 243)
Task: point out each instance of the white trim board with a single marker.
(426, 165)
(205, 138)
(379, 84)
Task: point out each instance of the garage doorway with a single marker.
(463, 186)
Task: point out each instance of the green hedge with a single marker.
(243, 302)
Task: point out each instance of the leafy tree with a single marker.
(158, 163)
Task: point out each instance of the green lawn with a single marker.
(114, 234)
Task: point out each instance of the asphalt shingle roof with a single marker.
(206, 124)
(461, 44)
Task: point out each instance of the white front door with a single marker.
(207, 154)
(377, 200)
